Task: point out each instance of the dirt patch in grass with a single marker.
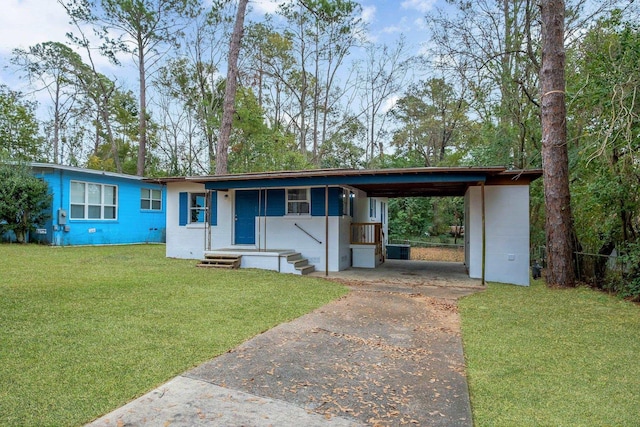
(438, 254)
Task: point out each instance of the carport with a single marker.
(496, 210)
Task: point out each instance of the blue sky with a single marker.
(387, 19)
(24, 23)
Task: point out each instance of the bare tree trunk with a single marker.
(96, 143)
(104, 111)
(142, 125)
(228, 107)
(56, 125)
(555, 159)
(316, 98)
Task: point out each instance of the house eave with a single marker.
(407, 182)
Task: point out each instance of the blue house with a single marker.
(92, 207)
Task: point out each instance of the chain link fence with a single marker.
(438, 250)
(593, 269)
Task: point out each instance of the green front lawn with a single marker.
(84, 330)
(543, 357)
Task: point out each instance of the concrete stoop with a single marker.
(300, 264)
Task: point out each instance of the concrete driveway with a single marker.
(387, 354)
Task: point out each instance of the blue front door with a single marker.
(246, 212)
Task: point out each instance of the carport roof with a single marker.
(406, 182)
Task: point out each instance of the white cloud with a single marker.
(420, 24)
(400, 27)
(368, 14)
(266, 6)
(24, 23)
(390, 102)
(422, 6)
(393, 29)
(368, 37)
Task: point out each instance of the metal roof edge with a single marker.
(52, 166)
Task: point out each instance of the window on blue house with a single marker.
(93, 201)
(298, 201)
(372, 208)
(150, 199)
(197, 207)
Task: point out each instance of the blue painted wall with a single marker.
(132, 224)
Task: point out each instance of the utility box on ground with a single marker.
(398, 252)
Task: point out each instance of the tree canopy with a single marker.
(19, 128)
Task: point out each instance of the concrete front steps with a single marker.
(300, 265)
(220, 261)
(281, 260)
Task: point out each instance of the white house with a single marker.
(336, 219)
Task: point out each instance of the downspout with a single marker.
(259, 222)
(266, 198)
(209, 237)
(326, 230)
(60, 233)
(484, 236)
(207, 220)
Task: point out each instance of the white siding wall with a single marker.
(344, 254)
(274, 233)
(222, 233)
(271, 234)
(507, 228)
(183, 241)
(473, 232)
(362, 212)
(281, 233)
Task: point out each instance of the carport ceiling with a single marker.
(409, 182)
(435, 189)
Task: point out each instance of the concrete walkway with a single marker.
(387, 354)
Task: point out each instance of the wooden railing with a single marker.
(367, 233)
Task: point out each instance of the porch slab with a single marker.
(251, 251)
(269, 259)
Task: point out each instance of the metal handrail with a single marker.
(306, 232)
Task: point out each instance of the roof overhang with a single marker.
(50, 167)
(408, 182)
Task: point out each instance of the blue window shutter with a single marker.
(317, 201)
(335, 201)
(276, 202)
(213, 206)
(184, 208)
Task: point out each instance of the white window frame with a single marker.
(194, 211)
(150, 199)
(293, 202)
(372, 208)
(103, 205)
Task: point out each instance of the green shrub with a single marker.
(629, 285)
(24, 201)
